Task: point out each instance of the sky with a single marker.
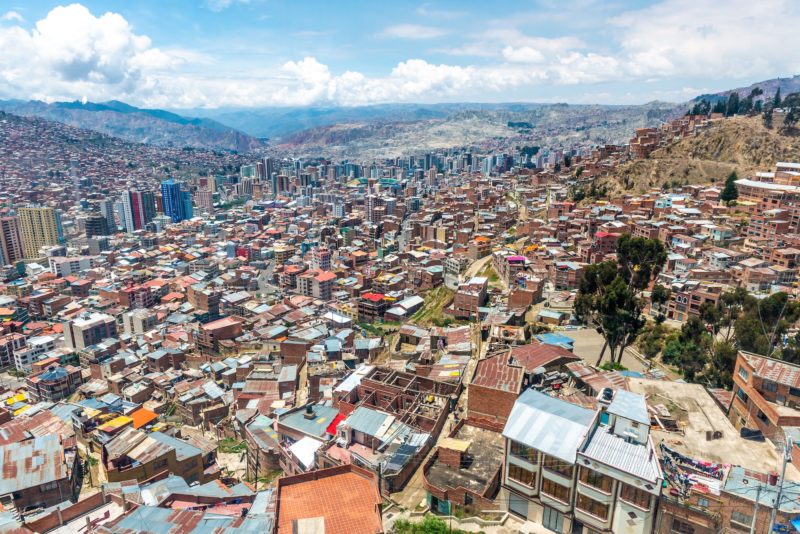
(181, 54)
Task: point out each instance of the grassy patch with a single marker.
(431, 311)
(232, 446)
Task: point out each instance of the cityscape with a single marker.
(390, 310)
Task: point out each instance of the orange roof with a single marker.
(325, 276)
(142, 416)
(346, 497)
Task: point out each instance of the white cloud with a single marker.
(413, 31)
(11, 16)
(73, 54)
(220, 5)
(696, 37)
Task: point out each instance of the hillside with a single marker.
(36, 149)
(151, 126)
(494, 126)
(740, 144)
(786, 85)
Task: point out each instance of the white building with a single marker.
(63, 266)
(572, 469)
(34, 351)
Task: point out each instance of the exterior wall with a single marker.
(489, 408)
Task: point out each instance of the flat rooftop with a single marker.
(486, 453)
(696, 412)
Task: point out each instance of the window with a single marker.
(592, 507)
(742, 395)
(769, 385)
(526, 453)
(521, 475)
(743, 373)
(702, 502)
(160, 463)
(559, 466)
(556, 491)
(762, 416)
(794, 392)
(635, 496)
(596, 480)
(681, 527)
(743, 519)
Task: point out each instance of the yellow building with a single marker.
(39, 227)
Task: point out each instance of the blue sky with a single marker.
(239, 53)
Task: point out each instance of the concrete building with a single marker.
(88, 329)
(10, 241)
(572, 469)
(39, 227)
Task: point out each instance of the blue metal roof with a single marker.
(630, 406)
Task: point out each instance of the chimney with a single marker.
(309, 411)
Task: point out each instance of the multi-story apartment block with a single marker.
(88, 329)
(573, 469)
(39, 227)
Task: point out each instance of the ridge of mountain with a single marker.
(151, 126)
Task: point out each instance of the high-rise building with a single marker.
(96, 224)
(177, 202)
(107, 211)
(138, 209)
(205, 200)
(10, 241)
(39, 227)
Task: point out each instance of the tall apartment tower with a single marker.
(138, 209)
(39, 227)
(177, 202)
(10, 241)
(107, 211)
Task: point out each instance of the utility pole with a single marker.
(755, 511)
(787, 456)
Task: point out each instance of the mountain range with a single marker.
(377, 130)
(151, 126)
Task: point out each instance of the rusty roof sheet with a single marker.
(494, 373)
(31, 463)
(774, 370)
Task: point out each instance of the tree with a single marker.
(719, 106)
(762, 324)
(651, 339)
(732, 107)
(776, 100)
(660, 295)
(730, 192)
(610, 293)
(766, 116)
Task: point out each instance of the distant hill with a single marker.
(152, 126)
(787, 86)
(740, 144)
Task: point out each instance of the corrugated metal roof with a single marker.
(31, 463)
(630, 406)
(634, 458)
(552, 426)
(370, 422)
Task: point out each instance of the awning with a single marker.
(335, 424)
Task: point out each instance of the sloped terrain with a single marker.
(740, 144)
(151, 126)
